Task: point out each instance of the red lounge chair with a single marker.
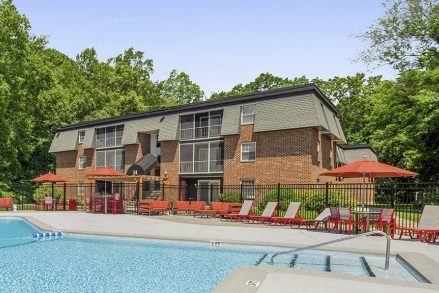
(180, 206)
(243, 214)
(196, 206)
(267, 214)
(428, 227)
(322, 218)
(290, 216)
(144, 206)
(115, 204)
(215, 208)
(227, 207)
(154, 206)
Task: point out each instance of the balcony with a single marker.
(200, 132)
(201, 167)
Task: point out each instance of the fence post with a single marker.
(278, 198)
(240, 193)
(392, 196)
(65, 186)
(326, 194)
(163, 191)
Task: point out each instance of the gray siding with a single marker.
(168, 127)
(132, 127)
(90, 138)
(328, 120)
(285, 113)
(231, 120)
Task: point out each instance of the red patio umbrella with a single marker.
(49, 178)
(367, 168)
(104, 172)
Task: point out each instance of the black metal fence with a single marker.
(407, 199)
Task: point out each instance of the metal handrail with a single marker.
(386, 265)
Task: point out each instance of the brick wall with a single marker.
(283, 156)
(169, 160)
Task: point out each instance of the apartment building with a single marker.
(288, 135)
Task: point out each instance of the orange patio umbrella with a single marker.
(104, 172)
(49, 178)
(367, 168)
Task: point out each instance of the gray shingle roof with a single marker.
(64, 141)
(347, 154)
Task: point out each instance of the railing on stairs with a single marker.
(387, 260)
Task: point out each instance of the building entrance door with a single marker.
(208, 190)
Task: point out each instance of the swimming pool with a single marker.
(112, 264)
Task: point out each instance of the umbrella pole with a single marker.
(53, 187)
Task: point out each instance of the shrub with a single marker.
(46, 190)
(230, 197)
(286, 195)
(312, 200)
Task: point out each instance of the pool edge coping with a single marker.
(236, 281)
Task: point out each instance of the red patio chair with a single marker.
(115, 204)
(386, 220)
(346, 218)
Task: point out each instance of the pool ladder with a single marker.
(387, 260)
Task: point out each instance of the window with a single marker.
(248, 188)
(200, 125)
(111, 158)
(109, 136)
(248, 114)
(248, 151)
(81, 188)
(82, 162)
(81, 136)
(206, 157)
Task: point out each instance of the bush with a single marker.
(312, 200)
(230, 197)
(287, 195)
(45, 189)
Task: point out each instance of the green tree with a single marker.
(407, 36)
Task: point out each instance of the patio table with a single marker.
(367, 213)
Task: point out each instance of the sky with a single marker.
(218, 43)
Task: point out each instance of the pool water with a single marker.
(112, 264)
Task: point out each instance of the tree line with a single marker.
(41, 88)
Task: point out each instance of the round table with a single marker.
(367, 213)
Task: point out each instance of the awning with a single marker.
(144, 165)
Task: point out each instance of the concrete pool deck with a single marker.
(183, 227)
